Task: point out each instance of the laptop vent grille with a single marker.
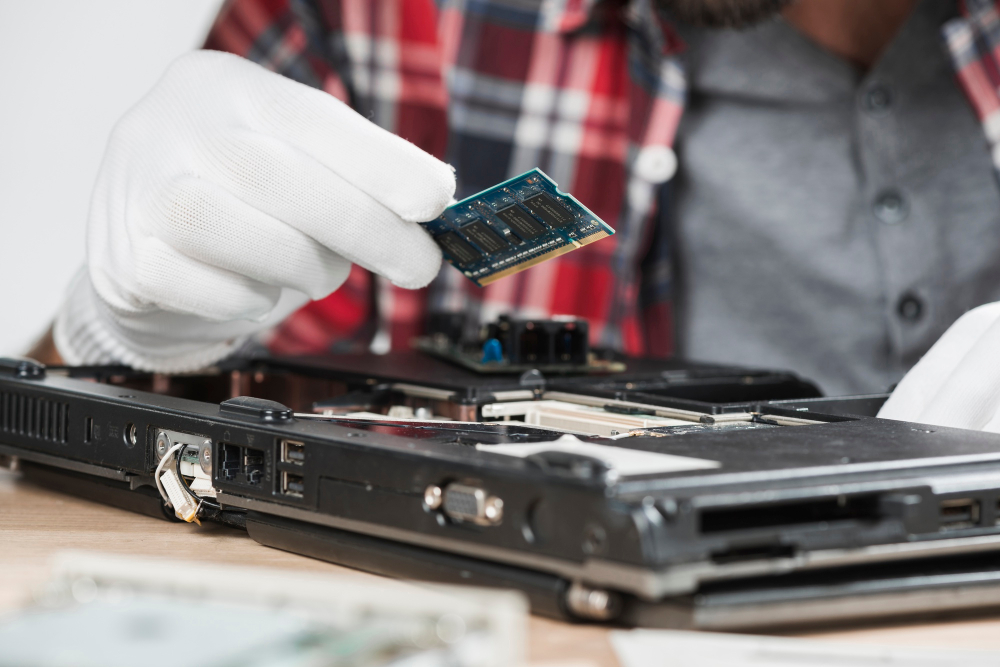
(34, 417)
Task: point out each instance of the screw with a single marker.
(205, 457)
(162, 444)
(592, 603)
(433, 496)
(493, 510)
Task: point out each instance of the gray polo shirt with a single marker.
(829, 221)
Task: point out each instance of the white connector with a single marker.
(171, 489)
(202, 487)
(184, 505)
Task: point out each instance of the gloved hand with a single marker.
(227, 198)
(957, 383)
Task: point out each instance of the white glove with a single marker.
(227, 198)
(957, 383)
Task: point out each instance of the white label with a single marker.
(623, 461)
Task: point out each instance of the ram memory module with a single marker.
(513, 226)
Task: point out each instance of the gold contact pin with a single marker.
(561, 250)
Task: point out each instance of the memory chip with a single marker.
(534, 222)
(479, 233)
(523, 224)
(548, 209)
(459, 249)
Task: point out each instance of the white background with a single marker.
(68, 71)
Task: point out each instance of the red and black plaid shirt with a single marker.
(590, 91)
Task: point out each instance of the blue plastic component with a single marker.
(492, 351)
(513, 226)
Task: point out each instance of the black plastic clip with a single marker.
(27, 369)
(258, 409)
(569, 464)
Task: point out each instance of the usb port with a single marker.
(293, 452)
(292, 484)
(958, 513)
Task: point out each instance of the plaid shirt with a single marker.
(590, 91)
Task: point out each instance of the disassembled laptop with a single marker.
(642, 492)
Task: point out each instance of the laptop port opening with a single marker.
(293, 452)
(253, 465)
(292, 484)
(959, 513)
(751, 553)
(231, 460)
(819, 511)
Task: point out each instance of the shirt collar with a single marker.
(571, 16)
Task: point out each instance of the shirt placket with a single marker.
(902, 226)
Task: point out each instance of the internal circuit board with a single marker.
(513, 226)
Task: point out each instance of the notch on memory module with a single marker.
(513, 226)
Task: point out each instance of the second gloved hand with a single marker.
(957, 383)
(227, 189)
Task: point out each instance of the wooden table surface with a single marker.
(35, 523)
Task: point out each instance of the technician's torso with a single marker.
(829, 221)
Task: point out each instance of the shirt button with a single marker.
(878, 99)
(910, 307)
(655, 164)
(890, 207)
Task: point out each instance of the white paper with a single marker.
(649, 648)
(623, 461)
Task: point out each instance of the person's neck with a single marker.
(856, 30)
